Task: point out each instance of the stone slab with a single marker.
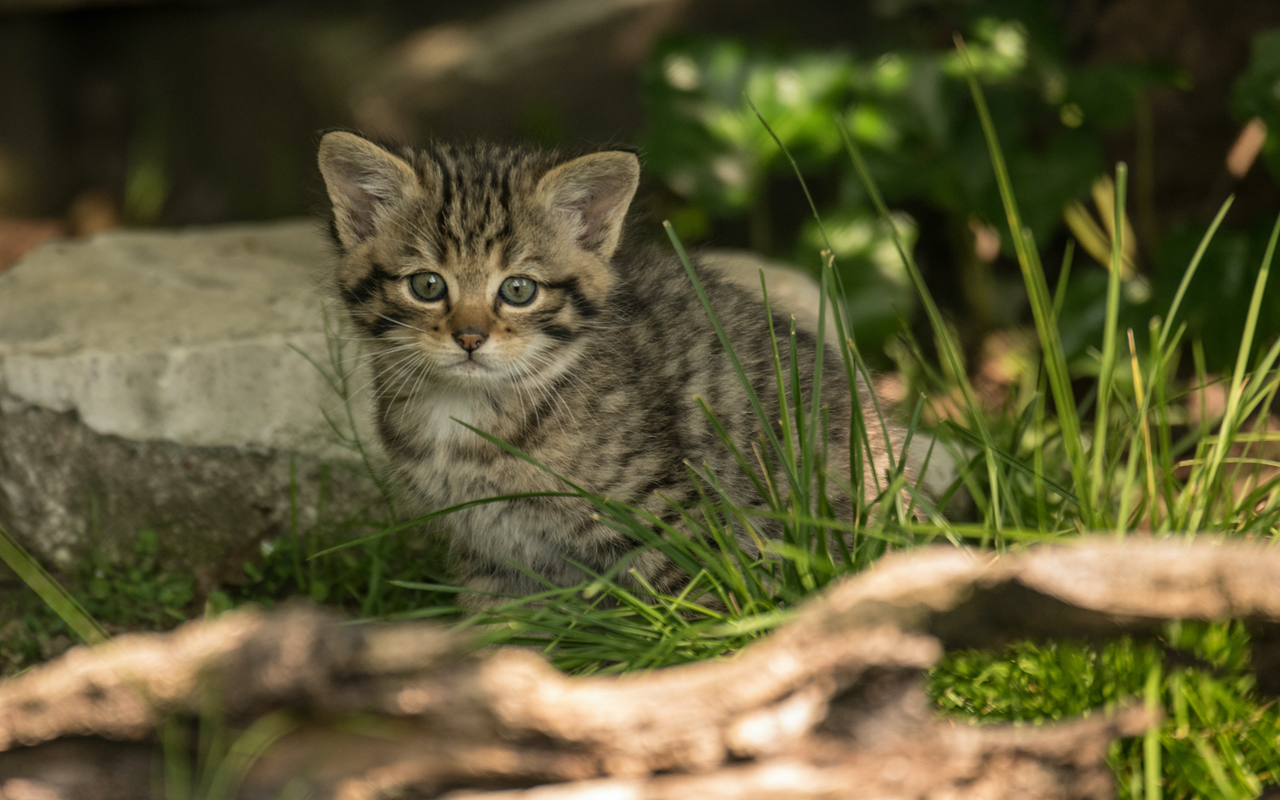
(193, 337)
(168, 380)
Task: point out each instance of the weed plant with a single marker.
(1124, 456)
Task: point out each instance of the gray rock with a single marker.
(169, 380)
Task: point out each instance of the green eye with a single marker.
(427, 286)
(518, 291)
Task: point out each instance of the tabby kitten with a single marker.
(493, 289)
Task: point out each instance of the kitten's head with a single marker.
(489, 263)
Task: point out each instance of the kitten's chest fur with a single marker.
(494, 292)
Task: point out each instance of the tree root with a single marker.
(832, 705)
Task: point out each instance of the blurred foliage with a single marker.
(1257, 92)
(140, 592)
(910, 112)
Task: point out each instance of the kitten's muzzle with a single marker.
(470, 338)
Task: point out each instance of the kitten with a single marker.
(494, 288)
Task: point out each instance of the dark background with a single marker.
(180, 113)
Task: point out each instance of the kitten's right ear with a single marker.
(362, 178)
(590, 196)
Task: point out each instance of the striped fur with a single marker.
(595, 378)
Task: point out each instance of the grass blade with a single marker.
(1191, 271)
(947, 342)
(752, 397)
(1110, 350)
(1041, 308)
(1208, 488)
(50, 591)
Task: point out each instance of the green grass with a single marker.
(1051, 463)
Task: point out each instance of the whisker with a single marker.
(398, 322)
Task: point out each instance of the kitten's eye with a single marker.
(427, 286)
(518, 291)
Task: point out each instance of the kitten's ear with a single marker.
(361, 178)
(591, 194)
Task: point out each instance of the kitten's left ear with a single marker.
(591, 194)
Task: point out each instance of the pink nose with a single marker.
(470, 339)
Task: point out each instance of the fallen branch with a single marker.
(831, 705)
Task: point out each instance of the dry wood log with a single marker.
(830, 706)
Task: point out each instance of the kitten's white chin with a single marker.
(468, 367)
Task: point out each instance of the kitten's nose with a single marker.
(470, 339)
